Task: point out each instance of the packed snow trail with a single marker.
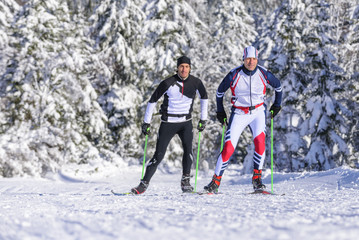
(316, 205)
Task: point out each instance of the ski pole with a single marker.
(199, 142)
(144, 155)
(224, 128)
(271, 149)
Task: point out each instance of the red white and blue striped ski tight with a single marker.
(237, 123)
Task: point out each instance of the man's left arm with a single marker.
(204, 100)
(275, 83)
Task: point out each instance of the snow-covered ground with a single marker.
(316, 205)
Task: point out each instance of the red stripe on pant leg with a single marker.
(260, 144)
(227, 151)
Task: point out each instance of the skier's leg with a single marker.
(258, 130)
(165, 134)
(186, 136)
(257, 127)
(236, 125)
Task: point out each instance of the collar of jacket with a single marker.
(249, 73)
(182, 79)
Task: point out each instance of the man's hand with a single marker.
(274, 110)
(222, 117)
(201, 125)
(145, 127)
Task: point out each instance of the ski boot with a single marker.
(185, 185)
(141, 188)
(258, 186)
(213, 186)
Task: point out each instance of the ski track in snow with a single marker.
(316, 205)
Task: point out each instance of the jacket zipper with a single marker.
(250, 91)
(182, 87)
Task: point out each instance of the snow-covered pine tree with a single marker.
(345, 14)
(311, 132)
(353, 40)
(82, 7)
(264, 7)
(116, 29)
(171, 29)
(50, 108)
(7, 9)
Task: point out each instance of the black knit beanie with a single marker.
(183, 59)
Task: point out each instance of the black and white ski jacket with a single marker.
(178, 100)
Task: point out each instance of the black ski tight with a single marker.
(166, 132)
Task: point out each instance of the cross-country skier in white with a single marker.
(179, 92)
(248, 84)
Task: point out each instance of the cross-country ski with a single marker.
(121, 193)
(267, 193)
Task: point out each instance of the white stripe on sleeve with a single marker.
(204, 109)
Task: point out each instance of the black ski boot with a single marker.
(141, 188)
(213, 186)
(185, 185)
(257, 181)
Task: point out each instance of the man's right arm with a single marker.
(221, 90)
(151, 105)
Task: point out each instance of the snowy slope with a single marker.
(316, 205)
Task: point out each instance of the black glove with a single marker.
(145, 128)
(201, 125)
(275, 110)
(222, 117)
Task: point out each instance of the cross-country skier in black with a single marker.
(179, 92)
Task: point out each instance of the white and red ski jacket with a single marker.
(248, 88)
